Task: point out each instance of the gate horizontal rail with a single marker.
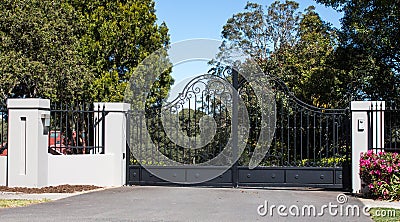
(326, 177)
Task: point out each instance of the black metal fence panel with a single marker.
(3, 130)
(76, 129)
(388, 129)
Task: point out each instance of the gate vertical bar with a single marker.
(370, 126)
(235, 172)
(347, 174)
(103, 129)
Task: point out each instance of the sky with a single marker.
(190, 19)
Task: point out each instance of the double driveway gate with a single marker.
(310, 146)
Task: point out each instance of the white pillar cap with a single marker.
(31, 103)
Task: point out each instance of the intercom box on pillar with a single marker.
(28, 142)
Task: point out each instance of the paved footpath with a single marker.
(188, 204)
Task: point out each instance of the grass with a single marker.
(20, 203)
(385, 214)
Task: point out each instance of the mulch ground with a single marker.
(52, 189)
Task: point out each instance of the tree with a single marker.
(259, 33)
(72, 50)
(297, 48)
(369, 47)
(39, 54)
(319, 83)
(120, 35)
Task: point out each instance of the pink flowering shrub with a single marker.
(380, 172)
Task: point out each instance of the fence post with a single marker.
(113, 136)
(367, 127)
(28, 122)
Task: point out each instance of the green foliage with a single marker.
(321, 65)
(76, 50)
(298, 48)
(120, 34)
(189, 119)
(326, 162)
(260, 33)
(385, 214)
(4, 203)
(39, 54)
(318, 83)
(369, 47)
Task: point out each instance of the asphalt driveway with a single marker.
(194, 204)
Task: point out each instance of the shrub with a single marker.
(380, 172)
(324, 162)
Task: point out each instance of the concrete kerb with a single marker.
(380, 203)
(41, 196)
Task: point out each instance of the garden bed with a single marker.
(51, 189)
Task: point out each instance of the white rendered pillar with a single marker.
(361, 124)
(115, 136)
(28, 121)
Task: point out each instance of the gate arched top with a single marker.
(205, 84)
(279, 85)
(193, 87)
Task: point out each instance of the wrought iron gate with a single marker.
(310, 146)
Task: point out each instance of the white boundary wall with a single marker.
(90, 169)
(30, 165)
(107, 169)
(3, 170)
